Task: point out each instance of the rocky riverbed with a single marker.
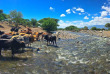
(83, 54)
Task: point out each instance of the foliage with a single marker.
(60, 29)
(108, 26)
(44, 19)
(16, 16)
(3, 16)
(70, 28)
(93, 28)
(1, 11)
(85, 28)
(49, 24)
(25, 22)
(34, 22)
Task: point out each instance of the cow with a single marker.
(28, 39)
(5, 36)
(1, 32)
(15, 29)
(50, 39)
(11, 44)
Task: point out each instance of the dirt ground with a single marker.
(4, 26)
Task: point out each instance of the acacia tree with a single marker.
(108, 26)
(16, 16)
(49, 24)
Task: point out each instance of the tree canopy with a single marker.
(16, 16)
(70, 28)
(1, 11)
(107, 25)
(93, 28)
(85, 28)
(34, 22)
(49, 24)
(3, 16)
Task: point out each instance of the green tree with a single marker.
(85, 28)
(34, 22)
(93, 28)
(49, 24)
(60, 29)
(16, 16)
(44, 19)
(70, 28)
(1, 11)
(25, 22)
(103, 29)
(108, 26)
(3, 16)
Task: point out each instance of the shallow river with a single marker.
(84, 55)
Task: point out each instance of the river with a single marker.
(83, 55)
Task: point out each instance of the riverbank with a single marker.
(85, 54)
(97, 33)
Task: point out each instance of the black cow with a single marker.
(1, 32)
(15, 29)
(4, 36)
(50, 39)
(13, 45)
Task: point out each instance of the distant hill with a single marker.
(97, 26)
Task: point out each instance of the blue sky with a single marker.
(70, 12)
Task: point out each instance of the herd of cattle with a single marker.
(16, 40)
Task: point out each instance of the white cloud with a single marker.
(79, 13)
(62, 15)
(104, 13)
(106, 8)
(89, 14)
(95, 14)
(68, 11)
(64, 24)
(73, 11)
(51, 8)
(86, 17)
(92, 17)
(95, 21)
(74, 7)
(80, 9)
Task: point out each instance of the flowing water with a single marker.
(83, 55)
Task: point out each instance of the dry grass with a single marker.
(6, 28)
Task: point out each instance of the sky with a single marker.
(79, 13)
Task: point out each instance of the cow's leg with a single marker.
(0, 51)
(55, 42)
(22, 49)
(13, 51)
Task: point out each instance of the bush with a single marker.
(93, 28)
(70, 28)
